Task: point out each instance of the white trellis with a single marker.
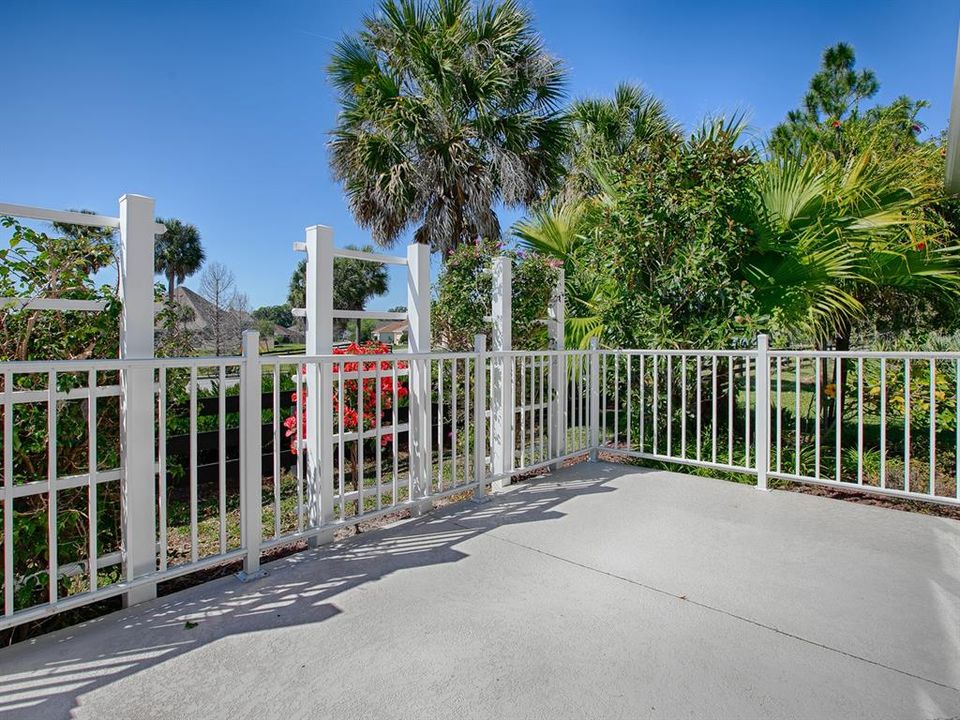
(320, 315)
(503, 393)
(137, 227)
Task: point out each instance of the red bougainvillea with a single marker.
(372, 387)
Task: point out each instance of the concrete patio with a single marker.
(600, 591)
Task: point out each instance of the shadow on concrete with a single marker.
(47, 676)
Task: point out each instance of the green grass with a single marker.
(286, 349)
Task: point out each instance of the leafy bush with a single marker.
(37, 265)
(464, 296)
(665, 243)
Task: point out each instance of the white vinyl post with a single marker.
(319, 379)
(251, 453)
(137, 435)
(595, 391)
(501, 397)
(418, 316)
(558, 369)
(762, 418)
(480, 418)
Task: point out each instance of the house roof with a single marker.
(393, 327)
(952, 180)
(204, 311)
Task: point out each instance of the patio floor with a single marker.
(599, 591)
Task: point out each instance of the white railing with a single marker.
(888, 421)
(689, 407)
(878, 422)
(240, 466)
(77, 492)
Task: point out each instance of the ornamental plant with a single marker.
(357, 415)
(59, 265)
(464, 295)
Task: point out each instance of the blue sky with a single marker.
(220, 109)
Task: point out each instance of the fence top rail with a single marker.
(867, 354)
(67, 216)
(746, 352)
(26, 367)
(368, 357)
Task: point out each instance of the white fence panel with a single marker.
(876, 422)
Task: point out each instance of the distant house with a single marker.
(392, 333)
(202, 317)
(289, 336)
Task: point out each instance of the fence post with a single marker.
(480, 417)
(319, 341)
(595, 390)
(137, 398)
(762, 418)
(251, 454)
(558, 371)
(418, 315)
(501, 397)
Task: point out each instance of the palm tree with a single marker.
(557, 230)
(829, 230)
(354, 282)
(99, 241)
(606, 128)
(602, 129)
(178, 253)
(448, 108)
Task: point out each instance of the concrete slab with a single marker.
(600, 591)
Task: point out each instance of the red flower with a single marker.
(836, 123)
(356, 395)
(921, 246)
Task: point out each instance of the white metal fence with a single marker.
(878, 422)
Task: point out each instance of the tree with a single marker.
(37, 265)
(448, 109)
(275, 314)
(606, 128)
(178, 253)
(354, 283)
(651, 256)
(265, 327)
(832, 120)
(560, 230)
(464, 294)
(91, 237)
(829, 233)
(297, 289)
(834, 139)
(228, 311)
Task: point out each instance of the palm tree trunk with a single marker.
(170, 278)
